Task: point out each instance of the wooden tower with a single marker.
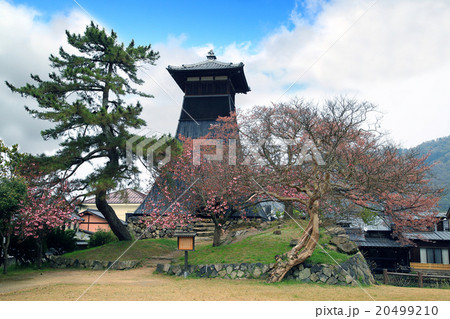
(209, 92)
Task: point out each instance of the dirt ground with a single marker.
(141, 284)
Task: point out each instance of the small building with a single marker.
(88, 222)
(429, 252)
(122, 201)
(92, 220)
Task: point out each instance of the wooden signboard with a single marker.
(185, 243)
(186, 240)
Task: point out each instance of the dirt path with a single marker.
(142, 284)
(74, 277)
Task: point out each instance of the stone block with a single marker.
(348, 248)
(327, 271)
(316, 268)
(97, 265)
(229, 269)
(305, 273)
(306, 280)
(257, 272)
(332, 281)
(323, 278)
(166, 267)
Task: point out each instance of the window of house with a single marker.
(434, 255)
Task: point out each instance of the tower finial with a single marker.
(211, 55)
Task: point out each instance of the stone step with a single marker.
(201, 229)
(155, 261)
(204, 225)
(205, 234)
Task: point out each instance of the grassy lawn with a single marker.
(141, 250)
(257, 248)
(261, 248)
(21, 271)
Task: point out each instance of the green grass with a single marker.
(141, 250)
(258, 248)
(18, 271)
(262, 248)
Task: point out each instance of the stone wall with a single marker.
(139, 230)
(61, 262)
(344, 274)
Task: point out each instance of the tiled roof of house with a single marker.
(378, 242)
(125, 196)
(435, 235)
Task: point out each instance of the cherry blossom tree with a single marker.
(317, 157)
(44, 209)
(204, 180)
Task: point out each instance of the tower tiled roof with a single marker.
(206, 65)
(125, 196)
(210, 67)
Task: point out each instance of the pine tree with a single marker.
(84, 98)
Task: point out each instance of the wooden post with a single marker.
(385, 276)
(185, 263)
(420, 279)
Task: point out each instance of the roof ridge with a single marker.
(122, 196)
(198, 64)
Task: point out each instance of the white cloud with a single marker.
(396, 55)
(26, 43)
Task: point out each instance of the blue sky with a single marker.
(221, 22)
(391, 53)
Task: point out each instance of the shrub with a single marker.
(23, 249)
(63, 241)
(101, 237)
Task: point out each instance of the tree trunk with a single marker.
(288, 210)
(5, 247)
(39, 244)
(217, 233)
(299, 253)
(117, 227)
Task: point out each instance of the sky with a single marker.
(395, 54)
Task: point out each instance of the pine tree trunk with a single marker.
(299, 253)
(117, 227)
